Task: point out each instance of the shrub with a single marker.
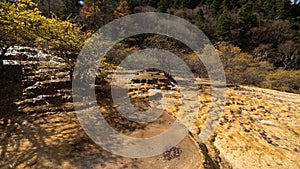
(283, 80)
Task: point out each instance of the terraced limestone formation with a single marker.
(45, 132)
(258, 129)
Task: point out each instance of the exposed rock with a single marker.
(258, 129)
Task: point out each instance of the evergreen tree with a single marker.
(246, 18)
(257, 6)
(202, 2)
(283, 8)
(295, 11)
(163, 6)
(177, 4)
(216, 6)
(189, 3)
(199, 17)
(224, 25)
(153, 3)
(71, 9)
(229, 4)
(269, 9)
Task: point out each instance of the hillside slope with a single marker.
(259, 129)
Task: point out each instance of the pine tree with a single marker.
(70, 10)
(224, 25)
(177, 4)
(216, 6)
(257, 6)
(269, 9)
(295, 12)
(246, 18)
(199, 18)
(282, 8)
(187, 3)
(163, 6)
(230, 4)
(201, 2)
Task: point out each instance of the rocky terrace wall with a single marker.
(10, 87)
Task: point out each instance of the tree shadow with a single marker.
(47, 136)
(55, 142)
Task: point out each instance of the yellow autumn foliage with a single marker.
(22, 24)
(283, 80)
(242, 68)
